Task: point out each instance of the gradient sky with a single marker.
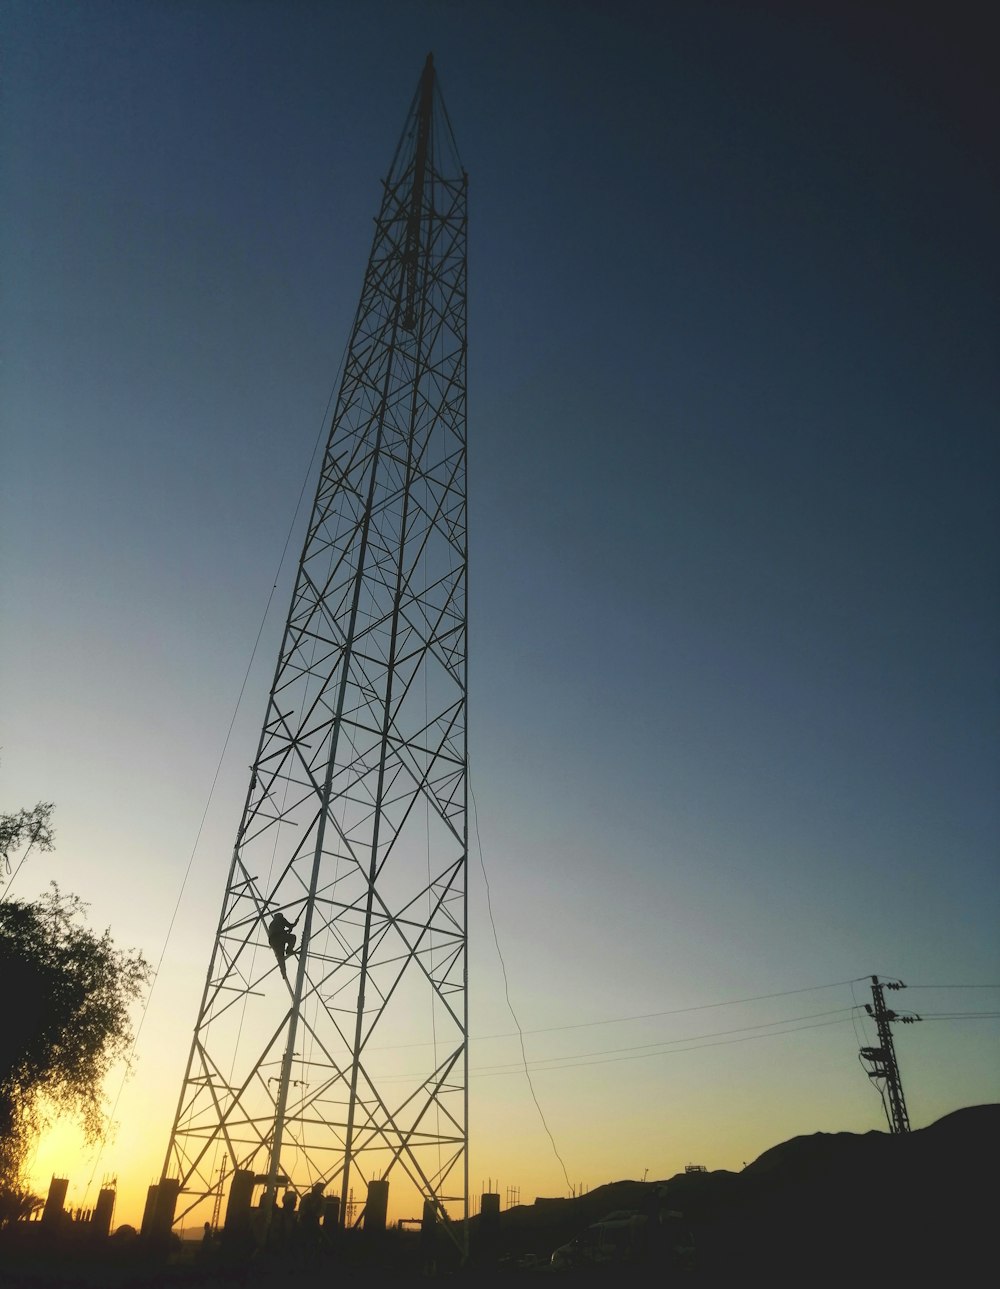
(733, 501)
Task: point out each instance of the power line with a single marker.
(678, 1011)
(620, 1020)
(693, 1045)
(541, 1067)
(961, 1015)
(693, 1038)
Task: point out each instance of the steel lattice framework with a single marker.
(880, 1062)
(354, 1065)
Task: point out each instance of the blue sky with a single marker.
(733, 451)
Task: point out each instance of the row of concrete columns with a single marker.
(98, 1219)
(161, 1202)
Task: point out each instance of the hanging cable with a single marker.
(218, 771)
(506, 989)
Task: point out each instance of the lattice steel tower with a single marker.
(348, 1061)
(880, 1062)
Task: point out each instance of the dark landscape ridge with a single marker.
(825, 1208)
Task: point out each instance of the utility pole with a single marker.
(343, 931)
(882, 1059)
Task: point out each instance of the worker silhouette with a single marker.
(281, 938)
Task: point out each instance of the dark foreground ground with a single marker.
(818, 1210)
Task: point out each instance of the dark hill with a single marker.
(819, 1209)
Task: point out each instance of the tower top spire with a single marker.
(427, 132)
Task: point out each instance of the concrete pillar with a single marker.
(331, 1212)
(238, 1205)
(163, 1209)
(53, 1212)
(104, 1211)
(377, 1206)
(149, 1210)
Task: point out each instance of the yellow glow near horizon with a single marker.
(715, 1105)
(61, 1151)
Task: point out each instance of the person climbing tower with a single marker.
(281, 938)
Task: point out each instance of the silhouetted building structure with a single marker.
(149, 1210)
(377, 1205)
(53, 1213)
(104, 1210)
(238, 1220)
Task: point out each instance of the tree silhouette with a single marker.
(67, 1021)
(29, 829)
